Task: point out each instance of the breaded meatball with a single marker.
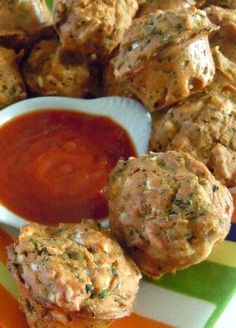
(225, 37)
(93, 27)
(24, 21)
(163, 58)
(167, 210)
(75, 268)
(150, 6)
(12, 88)
(46, 74)
(205, 125)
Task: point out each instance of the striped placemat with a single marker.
(202, 296)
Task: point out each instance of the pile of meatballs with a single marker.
(167, 208)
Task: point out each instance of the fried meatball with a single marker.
(150, 6)
(46, 74)
(93, 27)
(205, 125)
(76, 268)
(167, 210)
(225, 37)
(163, 58)
(24, 21)
(12, 88)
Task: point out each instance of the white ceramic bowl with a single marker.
(130, 114)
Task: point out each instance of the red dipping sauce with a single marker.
(55, 164)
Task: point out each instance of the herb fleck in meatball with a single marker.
(167, 210)
(76, 269)
(46, 74)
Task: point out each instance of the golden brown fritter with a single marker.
(12, 88)
(163, 58)
(225, 37)
(46, 74)
(22, 21)
(93, 27)
(205, 125)
(76, 268)
(167, 210)
(150, 6)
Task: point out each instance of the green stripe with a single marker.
(208, 281)
(7, 281)
(224, 253)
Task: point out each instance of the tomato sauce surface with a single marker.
(54, 164)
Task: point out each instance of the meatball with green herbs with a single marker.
(75, 269)
(47, 74)
(167, 210)
(93, 27)
(163, 58)
(204, 126)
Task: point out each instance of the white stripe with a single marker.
(172, 308)
(228, 318)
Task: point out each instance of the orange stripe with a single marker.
(234, 215)
(3, 256)
(135, 321)
(5, 240)
(10, 314)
